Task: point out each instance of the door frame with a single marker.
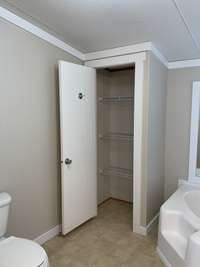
(139, 61)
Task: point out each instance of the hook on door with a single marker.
(81, 95)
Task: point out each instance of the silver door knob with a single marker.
(68, 161)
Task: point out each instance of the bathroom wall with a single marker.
(179, 100)
(29, 130)
(154, 138)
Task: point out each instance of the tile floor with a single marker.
(105, 241)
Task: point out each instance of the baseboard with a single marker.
(121, 200)
(48, 235)
(163, 258)
(104, 201)
(144, 230)
(117, 199)
(57, 229)
(140, 230)
(152, 222)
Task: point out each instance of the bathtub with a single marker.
(179, 228)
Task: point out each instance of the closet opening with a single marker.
(115, 124)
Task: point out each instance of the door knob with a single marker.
(68, 161)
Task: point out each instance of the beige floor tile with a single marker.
(105, 241)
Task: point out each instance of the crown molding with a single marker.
(158, 54)
(29, 27)
(184, 64)
(126, 50)
(118, 60)
(118, 51)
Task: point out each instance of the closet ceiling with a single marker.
(92, 25)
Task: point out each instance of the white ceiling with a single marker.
(93, 25)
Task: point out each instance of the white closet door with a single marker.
(78, 144)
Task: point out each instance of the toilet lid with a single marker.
(21, 252)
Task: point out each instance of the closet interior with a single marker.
(115, 97)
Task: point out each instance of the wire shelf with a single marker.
(117, 136)
(116, 171)
(115, 99)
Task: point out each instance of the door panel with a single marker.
(78, 144)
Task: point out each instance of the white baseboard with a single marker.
(163, 258)
(57, 229)
(144, 230)
(48, 235)
(152, 222)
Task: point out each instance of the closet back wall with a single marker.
(29, 142)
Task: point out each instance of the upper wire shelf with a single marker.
(116, 99)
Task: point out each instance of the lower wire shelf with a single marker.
(116, 171)
(116, 99)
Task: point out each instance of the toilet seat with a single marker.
(21, 252)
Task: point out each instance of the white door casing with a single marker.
(78, 144)
(138, 60)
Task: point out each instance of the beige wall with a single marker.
(154, 139)
(29, 139)
(179, 99)
(156, 136)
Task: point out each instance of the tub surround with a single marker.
(179, 229)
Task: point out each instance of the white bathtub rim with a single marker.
(187, 182)
(191, 213)
(176, 204)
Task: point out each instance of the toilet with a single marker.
(14, 251)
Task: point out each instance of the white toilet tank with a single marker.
(5, 200)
